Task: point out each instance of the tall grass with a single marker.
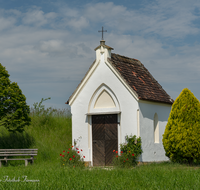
(52, 132)
(15, 140)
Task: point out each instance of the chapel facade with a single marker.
(118, 97)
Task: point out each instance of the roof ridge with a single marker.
(124, 56)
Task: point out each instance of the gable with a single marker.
(131, 72)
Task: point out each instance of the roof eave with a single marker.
(82, 83)
(157, 101)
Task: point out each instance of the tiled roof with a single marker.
(139, 79)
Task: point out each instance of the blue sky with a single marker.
(47, 46)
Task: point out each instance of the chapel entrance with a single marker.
(104, 139)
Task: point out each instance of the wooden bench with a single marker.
(7, 153)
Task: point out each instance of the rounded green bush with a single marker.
(130, 152)
(181, 139)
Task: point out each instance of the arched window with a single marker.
(156, 129)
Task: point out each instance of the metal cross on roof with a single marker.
(102, 32)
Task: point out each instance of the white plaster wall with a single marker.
(79, 108)
(152, 151)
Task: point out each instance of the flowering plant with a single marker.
(129, 153)
(72, 157)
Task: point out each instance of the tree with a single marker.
(181, 139)
(14, 112)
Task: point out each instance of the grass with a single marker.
(50, 132)
(151, 176)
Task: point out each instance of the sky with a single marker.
(47, 46)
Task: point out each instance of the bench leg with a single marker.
(26, 162)
(5, 162)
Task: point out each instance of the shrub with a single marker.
(71, 157)
(129, 153)
(181, 139)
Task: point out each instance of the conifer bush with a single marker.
(181, 139)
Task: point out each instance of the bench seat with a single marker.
(7, 153)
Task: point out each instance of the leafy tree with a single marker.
(14, 112)
(181, 139)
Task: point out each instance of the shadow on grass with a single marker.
(15, 140)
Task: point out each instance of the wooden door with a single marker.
(104, 139)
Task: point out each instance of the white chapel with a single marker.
(118, 97)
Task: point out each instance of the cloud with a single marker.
(37, 17)
(166, 18)
(53, 50)
(78, 23)
(6, 23)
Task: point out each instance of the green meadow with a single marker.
(50, 132)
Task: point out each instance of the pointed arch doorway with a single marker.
(104, 113)
(104, 139)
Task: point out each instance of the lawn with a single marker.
(52, 176)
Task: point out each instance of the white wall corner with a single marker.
(98, 54)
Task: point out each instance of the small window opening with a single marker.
(156, 129)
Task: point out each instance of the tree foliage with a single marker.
(181, 139)
(14, 112)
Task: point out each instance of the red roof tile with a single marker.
(139, 79)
